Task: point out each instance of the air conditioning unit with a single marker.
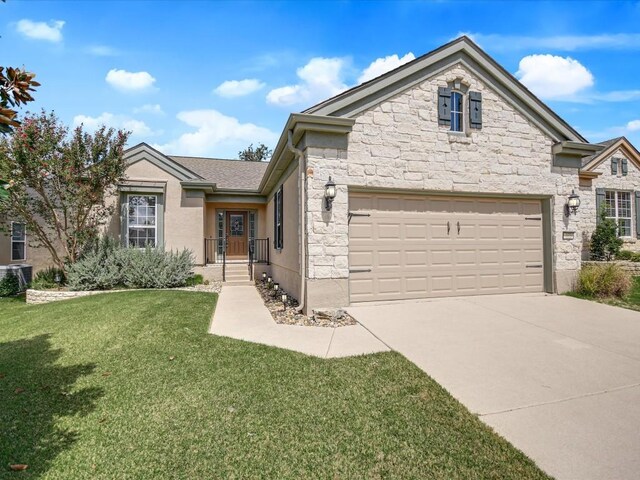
(23, 272)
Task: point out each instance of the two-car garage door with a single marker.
(408, 247)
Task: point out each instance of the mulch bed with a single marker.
(289, 316)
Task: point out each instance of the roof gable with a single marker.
(609, 147)
(462, 50)
(143, 151)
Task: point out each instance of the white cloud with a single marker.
(153, 109)
(101, 51)
(383, 65)
(320, 78)
(569, 43)
(633, 126)
(553, 77)
(238, 88)
(215, 134)
(50, 32)
(129, 81)
(137, 127)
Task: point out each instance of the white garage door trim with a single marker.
(406, 245)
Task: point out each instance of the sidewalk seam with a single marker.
(562, 400)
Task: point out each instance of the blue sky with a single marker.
(208, 78)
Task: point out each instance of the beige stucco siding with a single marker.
(285, 263)
(587, 213)
(184, 216)
(38, 257)
(399, 144)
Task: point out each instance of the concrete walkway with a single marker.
(241, 314)
(556, 376)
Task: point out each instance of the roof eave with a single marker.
(298, 124)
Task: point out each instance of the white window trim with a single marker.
(461, 112)
(155, 226)
(617, 217)
(19, 241)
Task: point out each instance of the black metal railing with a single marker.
(259, 250)
(215, 251)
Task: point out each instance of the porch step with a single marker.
(234, 278)
(238, 283)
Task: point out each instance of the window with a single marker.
(142, 221)
(18, 241)
(618, 208)
(277, 219)
(220, 228)
(456, 112)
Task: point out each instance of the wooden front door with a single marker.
(237, 244)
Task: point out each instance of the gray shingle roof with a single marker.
(226, 174)
(605, 144)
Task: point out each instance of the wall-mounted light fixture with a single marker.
(329, 193)
(573, 202)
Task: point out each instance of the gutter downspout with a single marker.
(303, 227)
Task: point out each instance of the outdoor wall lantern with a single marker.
(572, 203)
(329, 194)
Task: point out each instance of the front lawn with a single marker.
(631, 301)
(130, 385)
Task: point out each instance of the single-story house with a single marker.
(445, 176)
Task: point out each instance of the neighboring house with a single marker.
(451, 178)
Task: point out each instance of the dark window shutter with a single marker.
(636, 205)
(444, 106)
(624, 166)
(614, 166)
(599, 203)
(475, 110)
(275, 219)
(278, 219)
(281, 217)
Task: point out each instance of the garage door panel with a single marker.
(413, 253)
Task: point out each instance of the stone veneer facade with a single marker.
(587, 212)
(399, 144)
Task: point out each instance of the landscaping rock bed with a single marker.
(289, 316)
(46, 296)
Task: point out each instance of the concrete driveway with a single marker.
(558, 377)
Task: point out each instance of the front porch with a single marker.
(235, 236)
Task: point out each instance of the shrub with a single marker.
(46, 279)
(605, 243)
(155, 268)
(608, 280)
(625, 255)
(196, 279)
(9, 285)
(628, 255)
(109, 265)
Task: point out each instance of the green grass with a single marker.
(631, 301)
(103, 399)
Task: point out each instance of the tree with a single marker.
(605, 243)
(259, 154)
(60, 182)
(15, 88)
